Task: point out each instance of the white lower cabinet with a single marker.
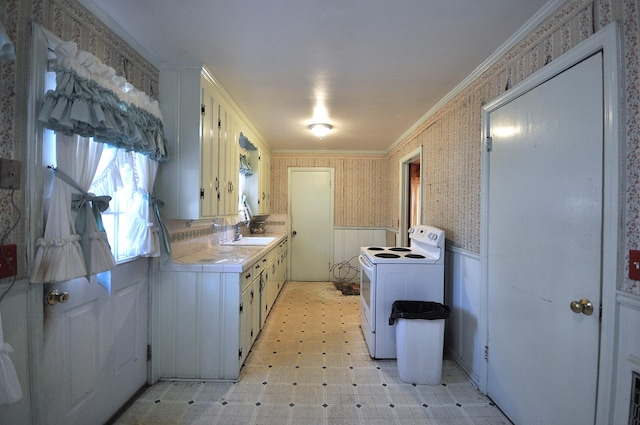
(198, 325)
(250, 311)
(207, 322)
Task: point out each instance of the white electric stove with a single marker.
(388, 274)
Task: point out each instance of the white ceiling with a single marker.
(374, 66)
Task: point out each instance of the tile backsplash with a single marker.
(186, 235)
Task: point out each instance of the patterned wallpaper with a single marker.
(71, 21)
(11, 125)
(360, 182)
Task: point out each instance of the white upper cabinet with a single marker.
(230, 152)
(264, 183)
(200, 179)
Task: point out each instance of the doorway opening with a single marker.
(410, 194)
(414, 193)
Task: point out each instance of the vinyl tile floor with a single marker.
(310, 366)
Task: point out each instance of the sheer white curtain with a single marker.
(74, 243)
(135, 227)
(129, 178)
(59, 255)
(146, 171)
(97, 252)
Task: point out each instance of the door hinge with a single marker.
(202, 109)
(149, 352)
(240, 353)
(241, 307)
(486, 353)
(219, 123)
(201, 193)
(489, 144)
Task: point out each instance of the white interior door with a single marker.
(544, 248)
(311, 215)
(95, 347)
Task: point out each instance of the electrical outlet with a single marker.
(634, 265)
(9, 174)
(10, 252)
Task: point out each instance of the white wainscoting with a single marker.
(15, 322)
(346, 245)
(628, 356)
(462, 295)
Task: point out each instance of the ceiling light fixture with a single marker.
(320, 129)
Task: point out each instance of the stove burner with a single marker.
(375, 248)
(400, 249)
(387, 255)
(415, 256)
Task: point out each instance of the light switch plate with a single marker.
(9, 174)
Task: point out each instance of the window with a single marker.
(123, 176)
(126, 222)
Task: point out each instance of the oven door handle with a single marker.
(364, 263)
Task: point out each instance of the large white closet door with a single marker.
(545, 227)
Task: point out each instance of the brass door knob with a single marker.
(583, 306)
(55, 296)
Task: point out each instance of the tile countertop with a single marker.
(207, 257)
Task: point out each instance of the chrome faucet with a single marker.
(236, 232)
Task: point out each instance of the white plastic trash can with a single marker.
(419, 340)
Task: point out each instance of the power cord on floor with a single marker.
(2, 239)
(344, 271)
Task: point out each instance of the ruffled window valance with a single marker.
(90, 100)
